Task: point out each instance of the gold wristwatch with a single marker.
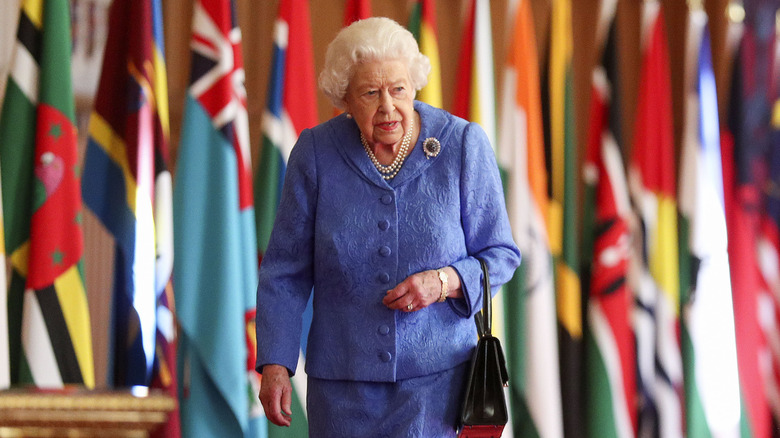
(444, 289)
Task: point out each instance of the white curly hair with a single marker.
(375, 38)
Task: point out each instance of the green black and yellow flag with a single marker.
(49, 329)
(562, 219)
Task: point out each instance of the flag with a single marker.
(291, 108)
(164, 373)
(422, 24)
(652, 188)
(529, 297)
(214, 236)
(9, 18)
(610, 374)
(356, 10)
(475, 101)
(49, 329)
(119, 183)
(742, 195)
(5, 372)
(770, 245)
(562, 215)
(759, 144)
(127, 184)
(475, 86)
(708, 339)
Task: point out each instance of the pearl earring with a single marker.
(349, 115)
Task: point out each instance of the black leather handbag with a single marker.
(484, 411)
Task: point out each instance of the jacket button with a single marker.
(384, 225)
(384, 277)
(384, 251)
(385, 356)
(386, 199)
(383, 330)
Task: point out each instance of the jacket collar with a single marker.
(346, 136)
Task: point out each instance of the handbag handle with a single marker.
(483, 319)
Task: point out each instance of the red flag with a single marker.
(610, 348)
(356, 10)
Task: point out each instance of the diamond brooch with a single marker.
(432, 147)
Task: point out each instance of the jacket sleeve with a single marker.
(485, 222)
(286, 271)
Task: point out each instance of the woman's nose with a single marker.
(386, 103)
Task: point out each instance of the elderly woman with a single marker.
(383, 211)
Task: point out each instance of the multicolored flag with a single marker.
(563, 214)
(475, 100)
(49, 328)
(770, 242)
(214, 237)
(652, 184)
(5, 372)
(422, 24)
(127, 184)
(530, 297)
(708, 341)
(9, 18)
(742, 140)
(291, 108)
(609, 339)
(761, 119)
(475, 92)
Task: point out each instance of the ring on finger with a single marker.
(410, 307)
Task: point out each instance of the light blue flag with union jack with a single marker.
(214, 238)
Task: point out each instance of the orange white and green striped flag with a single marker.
(531, 340)
(562, 218)
(652, 184)
(422, 24)
(49, 328)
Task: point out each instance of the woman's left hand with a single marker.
(420, 290)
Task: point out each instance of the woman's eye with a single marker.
(371, 93)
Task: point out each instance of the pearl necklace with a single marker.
(390, 171)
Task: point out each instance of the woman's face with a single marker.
(381, 100)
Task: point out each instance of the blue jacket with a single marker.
(348, 235)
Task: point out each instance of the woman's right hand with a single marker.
(276, 394)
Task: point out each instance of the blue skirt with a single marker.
(426, 406)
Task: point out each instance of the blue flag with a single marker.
(214, 237)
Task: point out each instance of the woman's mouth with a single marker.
(387, 126)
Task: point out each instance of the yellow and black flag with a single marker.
(563, 213)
